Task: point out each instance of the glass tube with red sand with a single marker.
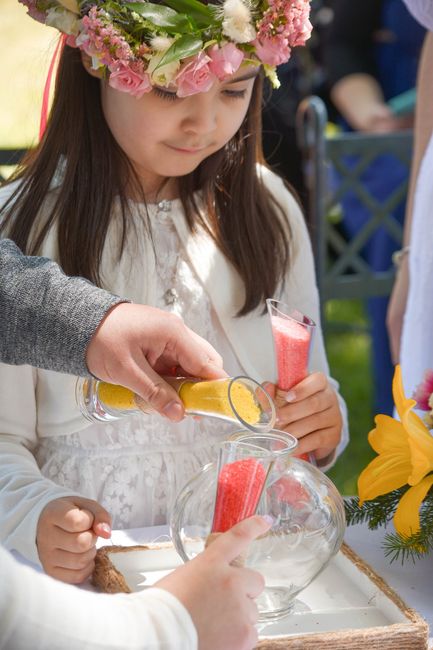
(242, 472)
(293, 334)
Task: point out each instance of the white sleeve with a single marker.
(24, 492)
(422, 11)
(39, 613)
(300, 292)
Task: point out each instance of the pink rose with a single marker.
(302, 35)
(123, 78)
(225, 60)
(272, 51)
(195, 76)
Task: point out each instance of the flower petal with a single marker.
(421, 458)
(385, 473)
(420, 443)
(419, 439)
(406, 517)
(400, 399)
(388, 435)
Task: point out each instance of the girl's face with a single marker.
(165, 136)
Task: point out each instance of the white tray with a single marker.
(347, 607)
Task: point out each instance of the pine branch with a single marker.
(377, 512)
(381, 510)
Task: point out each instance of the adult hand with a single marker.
(360, 100)
(66, 536)
(378, 118)
(135, 344)
(310, 412)
(397, 308)
(220, 597)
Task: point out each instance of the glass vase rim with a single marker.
(274, 434)
(291, 314)
(264, 454)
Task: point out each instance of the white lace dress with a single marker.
(135, 467)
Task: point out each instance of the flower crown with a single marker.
(184, 44)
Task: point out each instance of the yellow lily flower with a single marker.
(405, 456)
(406, 517)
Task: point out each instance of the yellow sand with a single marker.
(203, 396)
(212, 397)
(116, 397)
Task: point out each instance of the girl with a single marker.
(147, 182)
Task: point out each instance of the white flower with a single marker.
(237, 21)
(63, 20)
(82, 39)
(271, 74)
(164, 75)
(161, 43)
(96, 63)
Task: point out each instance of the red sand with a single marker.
(292, 342)
(240, 485)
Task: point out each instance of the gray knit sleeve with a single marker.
(46, 318)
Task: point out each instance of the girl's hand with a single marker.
(310, 412)
(66, 537)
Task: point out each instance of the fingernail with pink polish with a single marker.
(269, 519)
(290, 396)
(106, 528)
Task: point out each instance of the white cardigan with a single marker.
(41, 613)
(40, 403)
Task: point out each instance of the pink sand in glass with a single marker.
(240, 486)
(292, 345)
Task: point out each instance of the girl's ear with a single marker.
(87, 63)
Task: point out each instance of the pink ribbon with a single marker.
(46, 96)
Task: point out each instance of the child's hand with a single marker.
(310, 412)
(66, 537)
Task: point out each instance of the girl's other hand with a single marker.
(66, 537)
(310, 411)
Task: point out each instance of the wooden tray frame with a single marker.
(410, 635)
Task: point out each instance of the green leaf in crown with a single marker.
(200, 12)
(170, 20)
(184, 47)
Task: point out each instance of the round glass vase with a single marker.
(308, 521)
(240, 400)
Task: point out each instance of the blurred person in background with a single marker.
(301, 76)
(411, 308)
(371, 54)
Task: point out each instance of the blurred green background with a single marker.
(349, 358)
(26, 52)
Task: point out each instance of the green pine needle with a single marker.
(380, 511)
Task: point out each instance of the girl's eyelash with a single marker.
(171, 96)
(235, 94)
(164, 94)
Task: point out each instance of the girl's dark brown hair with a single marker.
(244, 219)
